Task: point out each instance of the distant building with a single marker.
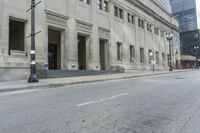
(87, 35)
(165, 4)
(188, 14)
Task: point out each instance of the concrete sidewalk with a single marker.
(56, 82)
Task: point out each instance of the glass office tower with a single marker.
(198, 13)
(188, 14)
(185, 11)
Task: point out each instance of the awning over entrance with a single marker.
(188, 58)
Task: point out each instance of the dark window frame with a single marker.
(16, 33)
(119, 51)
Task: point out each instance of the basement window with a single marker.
(16, 35)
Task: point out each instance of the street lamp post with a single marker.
(169, 38)
(33, 77)
(197, 55)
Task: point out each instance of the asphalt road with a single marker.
(157, 104)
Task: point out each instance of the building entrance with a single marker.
(82, 52)
(103, 51)
(54, 49)
(52, 56)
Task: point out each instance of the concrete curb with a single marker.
(45, 86)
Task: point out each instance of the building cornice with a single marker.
(149, 11)
(56, 14)
(163, 9)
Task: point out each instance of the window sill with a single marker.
(149, 33)
(102, 12)
(85, 5)
(140, 29)
(131, 25)
(119, 61)
(119, 19)
(132, 62)
(18, 53)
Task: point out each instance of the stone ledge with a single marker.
(18, 53)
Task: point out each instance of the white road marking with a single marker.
(116, 96)
(91, 102)
(102, 100)
(16, 92)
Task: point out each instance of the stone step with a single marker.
(63, 73)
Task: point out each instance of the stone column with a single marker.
(71, 58)
(112, 49)
(2, 7)
(95, 60)
(126, 43)
(137, 46)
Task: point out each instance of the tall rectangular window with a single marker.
(102, 5)
(163, 59)
(119, 51)
(99, 3)
(141, 55)
(116, 11)
(162, 34)
(131, 18)
(149, 27)
(151, 56)
(157, 57)
(132, 53)
(16, 35)
(119, 12)
(105, 6)
(156, 30)
(141, 23)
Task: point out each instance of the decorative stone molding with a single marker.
(150, 12)
(18, 53)
(56, 18)
(83, 26)
(104, 32)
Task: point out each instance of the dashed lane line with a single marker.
(102, 100)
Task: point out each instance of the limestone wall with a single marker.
(73, 17)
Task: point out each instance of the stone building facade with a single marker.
(86, 35)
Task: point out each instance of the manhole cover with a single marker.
(179, 78)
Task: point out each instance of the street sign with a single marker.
(153, 62)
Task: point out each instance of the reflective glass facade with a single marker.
(185, 11)
(198, 13)
(188, 14)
